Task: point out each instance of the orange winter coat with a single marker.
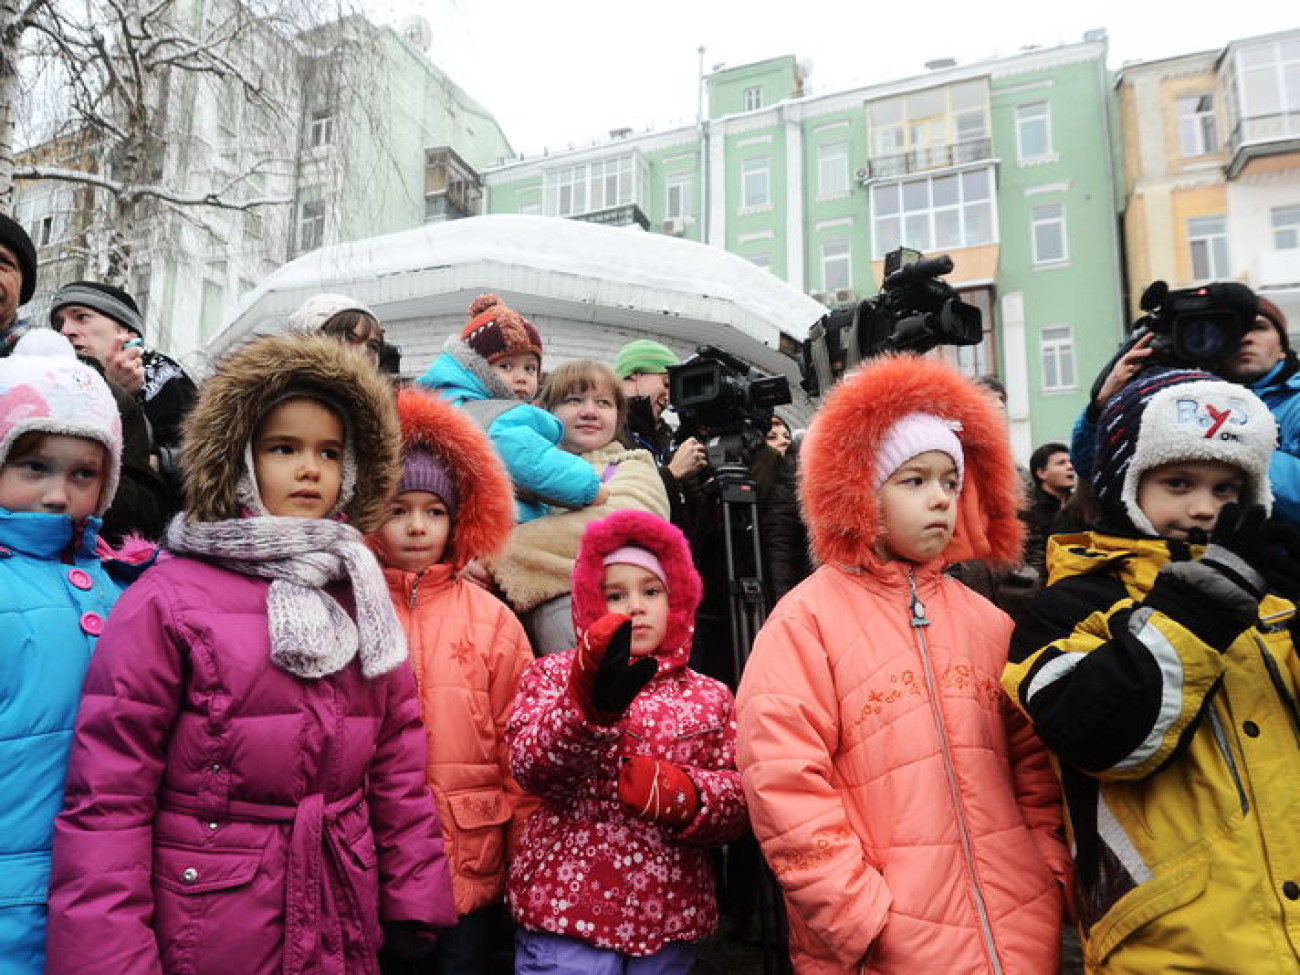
(908, 811)
(468, 651)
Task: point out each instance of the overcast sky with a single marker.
(568, 71)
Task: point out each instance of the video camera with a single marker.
(725, 403)
(913, 312)
(1194, 327)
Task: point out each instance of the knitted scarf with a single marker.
(312, 636)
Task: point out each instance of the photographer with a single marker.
(1263, 362)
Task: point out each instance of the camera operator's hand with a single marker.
(1124, 369)
(690, 458)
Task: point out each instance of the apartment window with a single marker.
(677, 196)
(1048, 220)
(755, 183)
(320, 130)
(1270, 79)
(1197, 131)
(934, 213)
(1286, 228)
(591, 187)
(753, 98)
(311, 224)
(1208, 239)
(837, 266)
(1034, 131)
(833, 169)
(1056, 344)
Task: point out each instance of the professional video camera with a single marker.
(914, 312)
(725, 403)
(1195, 327)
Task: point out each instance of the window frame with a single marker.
(833, 159)
(963, 209)
(1054, 354)
(1282, 227)
(828, 260)
(1198, 128)
(1039, 221)
(753, 98)
(755, 167)
(1026, 122)
(1210, 249)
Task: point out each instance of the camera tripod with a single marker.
(747, 609)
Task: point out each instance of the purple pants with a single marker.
(543, 953)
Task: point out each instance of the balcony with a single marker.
(1261, 137)
(1276, 269)
(620, 216)
(927, 159)
(452, 189)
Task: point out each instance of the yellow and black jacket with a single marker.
(1180, 763)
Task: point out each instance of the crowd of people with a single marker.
(304, 670)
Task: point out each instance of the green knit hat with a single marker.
(643, 355)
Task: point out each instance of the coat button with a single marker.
(1251, 729)
(215, 767)
(92, 623)
(1292, 890)
(81, 579)
(189, 875)
(212, 825)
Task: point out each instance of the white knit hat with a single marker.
(319, 309)
(44, 388)
(1206, 419)
(912, 436)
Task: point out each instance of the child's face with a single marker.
(55, 474)
(519, 372)
(416, 532)
(640, 594)
(1184, 495)
(298, 459)
(590, 419)
(918, 508)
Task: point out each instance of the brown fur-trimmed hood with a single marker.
(243, 388)
(485, 505)
(838, 461)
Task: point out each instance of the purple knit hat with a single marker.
(913, 435)
(422, 471)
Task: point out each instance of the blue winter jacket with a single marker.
(526, 437)
(1278, 389)
(51, 613)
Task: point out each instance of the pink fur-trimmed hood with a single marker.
(669, 545)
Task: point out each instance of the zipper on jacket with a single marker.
(415, 591)
(919, 622)
(1279, 686)
(1221, 739)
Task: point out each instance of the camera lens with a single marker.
(1206, 339)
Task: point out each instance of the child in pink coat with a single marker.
(905, 806)
(633, 755)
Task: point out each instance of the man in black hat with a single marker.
(105, 322)
(17, 279)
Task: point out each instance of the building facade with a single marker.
(357, 133)
(1003, 164)
(1212, 168)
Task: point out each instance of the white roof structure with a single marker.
(589, 289)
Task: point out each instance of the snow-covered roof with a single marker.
(598, 277)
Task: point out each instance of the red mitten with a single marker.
(604, 679)
(657, 791)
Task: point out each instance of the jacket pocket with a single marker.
(479, 818)
(361, 849)
(24, 878)
(189, 871)
(1150, 901)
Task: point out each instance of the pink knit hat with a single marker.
(913, 435)
(642, 558)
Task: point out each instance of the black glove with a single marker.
(1217, 596)
(1279, 559)
(408, 941)
(602, 680)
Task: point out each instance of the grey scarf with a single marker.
(312, 636)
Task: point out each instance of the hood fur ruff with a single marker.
(485, 512)
(838, 461)
(669, 545)
(236, 396)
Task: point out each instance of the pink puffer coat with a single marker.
(224, 816)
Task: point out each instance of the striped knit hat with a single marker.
(1167, 415)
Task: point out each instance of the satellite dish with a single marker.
(416, 30)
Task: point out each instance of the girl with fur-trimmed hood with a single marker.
(908, 811)
(453, 505)
(633, 754)
(246, 790)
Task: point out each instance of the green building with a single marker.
(1005, 164)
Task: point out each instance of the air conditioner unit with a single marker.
(675, 226)
(863, 174)
(819, 296)
(845, 295)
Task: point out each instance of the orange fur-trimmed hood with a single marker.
(838, 461)
(485, 507)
